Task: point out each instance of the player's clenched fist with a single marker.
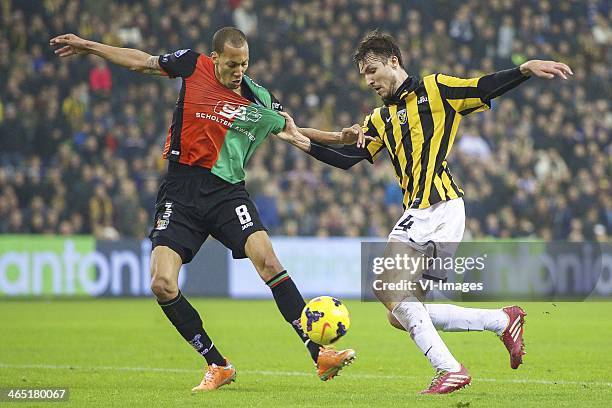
(70, 45)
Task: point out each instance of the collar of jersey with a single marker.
(409, 85)
(249, 94)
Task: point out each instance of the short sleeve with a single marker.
(180, 63)
(278, 123)
(375, 146)
(463, 95)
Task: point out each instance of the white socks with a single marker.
(452, 318)
(412, 314)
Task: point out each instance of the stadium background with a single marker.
(80, 144)
(81, 139)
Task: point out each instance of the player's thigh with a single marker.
(407, 248)
(449, 233)
(178, 224)
(234, 220)
(400, 281)
(434, 232)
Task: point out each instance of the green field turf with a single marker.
(124, 353)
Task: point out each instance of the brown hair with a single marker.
(377, 44)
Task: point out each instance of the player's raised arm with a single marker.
(475, 94)
(134, 60)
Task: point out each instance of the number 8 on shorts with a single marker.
(243, 214)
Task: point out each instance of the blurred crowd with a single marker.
(81, 139)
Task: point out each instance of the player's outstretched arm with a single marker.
(347, 136)
(343, 157)
(135, 60)
(475, 94)
(301, 137)
(493, 85)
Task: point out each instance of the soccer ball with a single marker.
(325, 319)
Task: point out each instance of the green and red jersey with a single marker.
(212, 126)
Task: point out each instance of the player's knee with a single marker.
(163, 287)
(393, 321)
(165, 265)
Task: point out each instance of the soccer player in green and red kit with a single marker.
(221, 117)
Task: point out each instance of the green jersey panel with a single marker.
(251, 125)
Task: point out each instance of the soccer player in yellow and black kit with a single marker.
(417, 126)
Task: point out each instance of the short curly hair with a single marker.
(377, 44)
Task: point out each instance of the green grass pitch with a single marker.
(125, 353)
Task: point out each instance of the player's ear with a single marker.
(394, 61)
(214, 56)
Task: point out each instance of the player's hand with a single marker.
(290, 125)
(354, 134)
(70, 44)
(546, 69)
(290, 130)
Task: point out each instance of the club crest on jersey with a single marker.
(233, 111)
(401, 116)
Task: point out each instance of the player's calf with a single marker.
(188, 323)
(286, 294)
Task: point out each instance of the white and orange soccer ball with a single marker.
(325, 320)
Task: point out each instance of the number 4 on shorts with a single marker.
(405, 224)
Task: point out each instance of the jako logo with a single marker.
(162, 223)
(68, 272)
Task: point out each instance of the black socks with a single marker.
(188, 323)
(290, 303)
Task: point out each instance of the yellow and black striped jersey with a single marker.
(417, 126)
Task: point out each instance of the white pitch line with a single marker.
(298, 374)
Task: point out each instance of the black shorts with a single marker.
(192, 203)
